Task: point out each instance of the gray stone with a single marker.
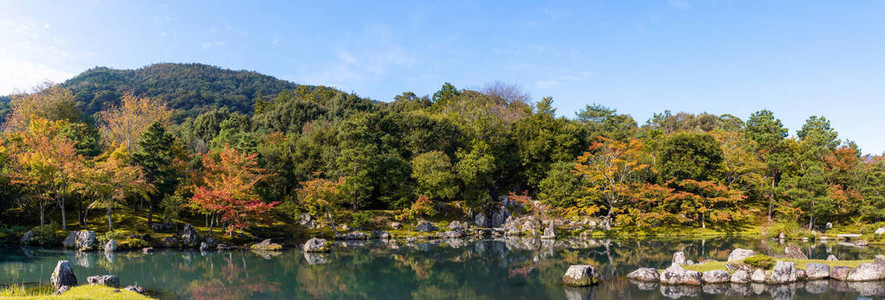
(815, 271)
(738, 255)
(839, 273)
(499, 217)
(162, 227)
(204, 246)
(317, 245)
(716, 276)
(83, 240)
(63, 289)
(427, 227)
(267, 245)
(26, 239)
(791, 251)
(828, 226)
(456, 226)
(783, 272)
(110, 246)
(758, 276)
(867, 272)
(644, 274)
(832, 258)
(108, 280)
(800, 274)
(396, 225)
(481, 220)
(880, 230)
(733, 267)
(580, 275)
(356, 235)
(549, 232)
(382, 235)
(63, 275)
(189, 236)
(147, 250)
(677, 275)
(740, 276)
(136, 289)
(678, 258)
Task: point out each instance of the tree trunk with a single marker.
(81, 216)
(329, 214)
(42, 213)
(771, 197)
(110, 220)
(64, 221)
(608, 218)
(151, 212)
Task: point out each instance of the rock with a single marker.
(26, 239)
(740, 276)
(450, 234)
(549, 232)
(499, 217)
(733, 267)
(267, 245)
(356, 235)
(814, 271)
(63, 289)
(758, 276)
(426, 227)
(163, 227)
(317, 245)
(108, 280)
(678, 258)
(861, 243)
(171, 242)
(382, 235)
(689, 262)
(83, 240)
(801, 275)
(867, 272)
(481, 220)
(306, 220)
(580, 275)
(832, 258)
(644, 274)
(396, 225)
(840, 273)
(110, 246)
(880, 230)
(677, 275)
(63, 275)
(791, 251)
(189, 236)
(344, 227)
(783, 272)
(147, 250)
(136, 289)
(204, 246)
(716, 276)
(456, 226)
(738, 255)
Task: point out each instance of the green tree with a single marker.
(769, 136)
(156, 157)
(435, 175)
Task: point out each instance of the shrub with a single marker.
(110, 235)
(361, 220)
(791, 230)
(47, 234)
(760, 261)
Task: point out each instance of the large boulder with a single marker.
(549, 232)
(677, 275)
(645, 275)
(456, 226)
(758, 276)
(83, 240)
(26, 239)
(716, 276)
(63, 275)
(307, 221)
(740, 276)
(499, 217)
(204, 247)
(317, 245)
(738, 255)
(867, 272)
(880, 230)
(427, 227)
(580, 275)
(356, 235)
(832, 258)
(136, 289)
(381, 235)
(783, 272)
(110, 246)
(791, 251)
(814, 271)
(108, 280)
(840, 273)
(481, 220)
(679, 258)
(189, 236)
(267, 245)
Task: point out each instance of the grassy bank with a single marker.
(77, 292)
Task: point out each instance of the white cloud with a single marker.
(214, 44)
(680, 4)
(22, 75)
(30, 54)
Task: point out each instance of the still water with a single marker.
(488, 269)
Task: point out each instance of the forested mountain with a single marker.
(190, 88)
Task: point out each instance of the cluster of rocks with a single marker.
(496, 217)
(63, 278)
(529, 226)
(580, 275)
(83, 240)
(779, 291)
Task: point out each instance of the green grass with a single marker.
(800, 264)
(77, 292)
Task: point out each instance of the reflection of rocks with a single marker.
(839, 286)
(314, 258)
(738, 255)
(679, 291)
(645, 285)
(456, 243)
(817, 286)
(758, 288)
(266, 254)
(868, 289)
(578, 293)
(782, 291)
(740, 289)
(715, 289)
(83, 259)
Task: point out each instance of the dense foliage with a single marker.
(233, 145)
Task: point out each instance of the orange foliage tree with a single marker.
(123, 124)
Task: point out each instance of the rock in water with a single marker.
(791, 251)
(738, 255)
(63, 275)
(317, 245)
(716, 276)
(758, 276)
(740, 276)
(204, 246)
(814, 271)
(71, 240)
(644, 274)
(456, 226)
(832, 258)
(266, 245)
(783, 272)
(867, 272)
(677, 275)
(135, 288)
(427, 227)
(801, 275)
(840, 273)
(679, 258)
(549, 232)
(110, 246)
(580, 275)
(26, 239)
(481, 220)
(108, 280)
(189, 236)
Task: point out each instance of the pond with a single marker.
(510, 268)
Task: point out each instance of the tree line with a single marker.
(331, 154)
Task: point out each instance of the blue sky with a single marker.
(796, 58)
